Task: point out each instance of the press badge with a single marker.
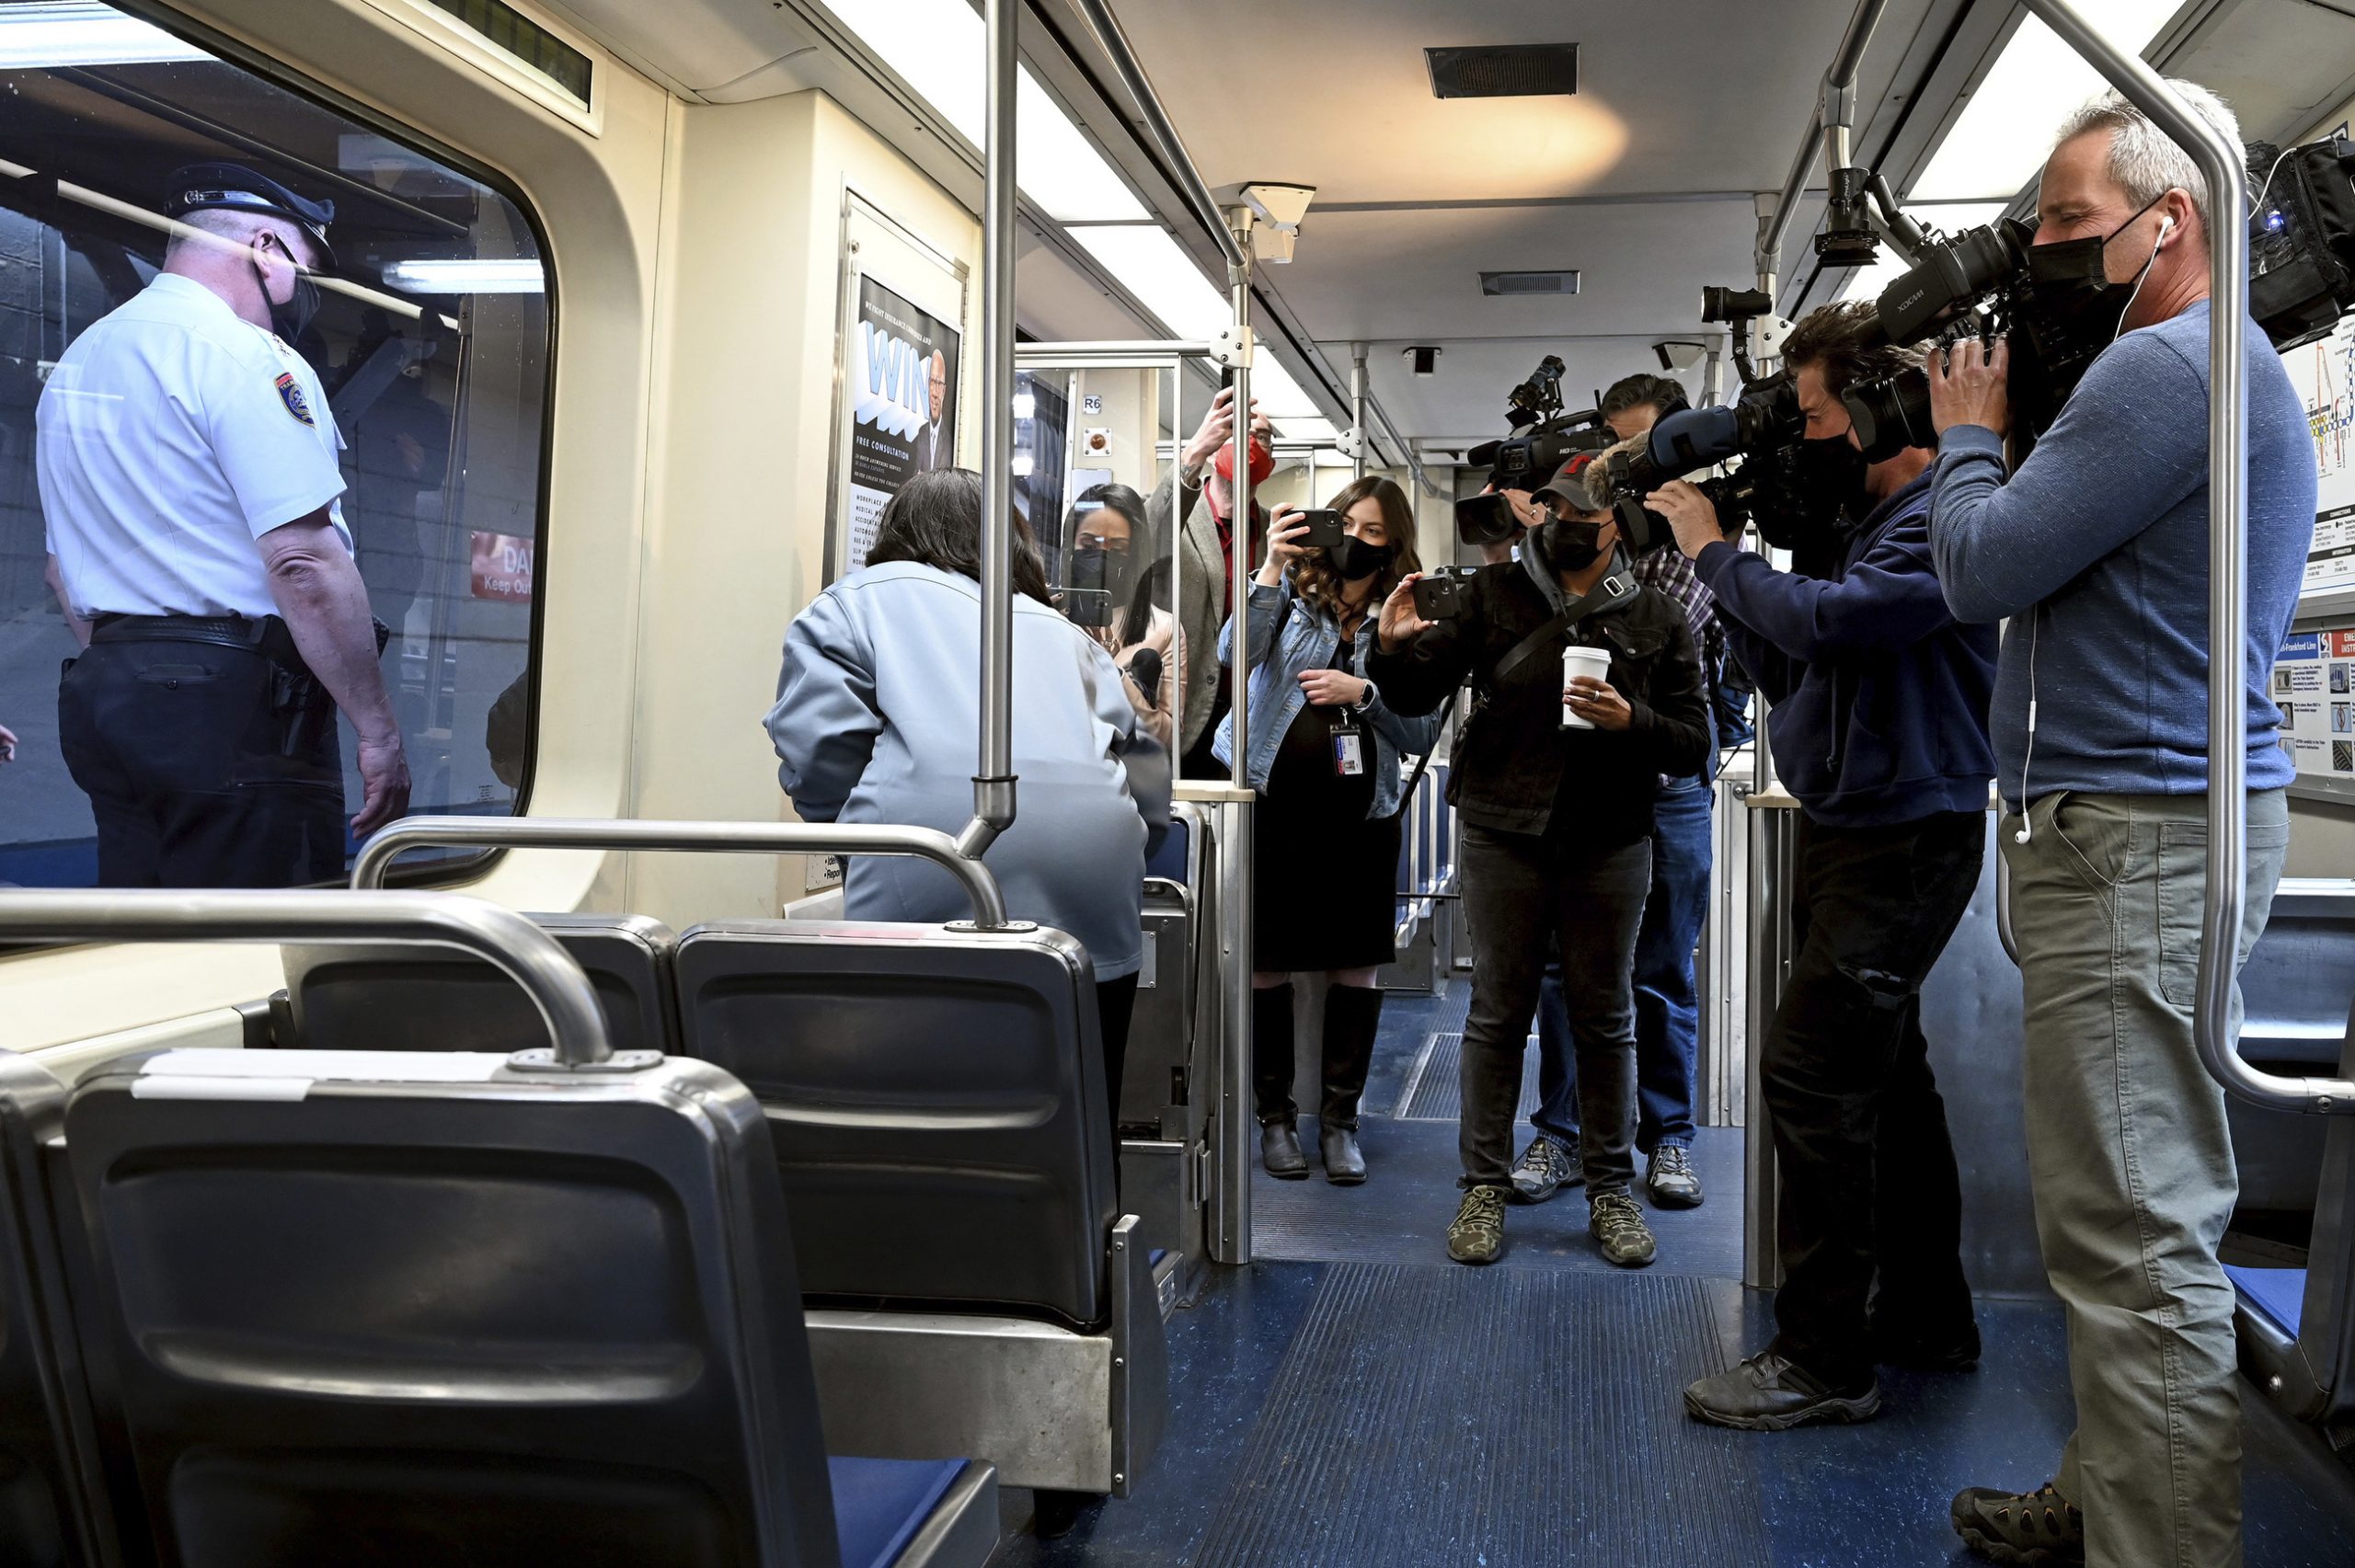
(1348, 749)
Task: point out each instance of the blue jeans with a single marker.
(1668, 1003)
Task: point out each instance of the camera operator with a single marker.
(1668, 1000)
(1324, 758)
(1200, 490)
(1556, 820)
(1879, 722)
(2097, 549)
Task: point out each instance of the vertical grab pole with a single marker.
(1357, 408)
(993, 782)
(1237, 1116)
(2224, 899)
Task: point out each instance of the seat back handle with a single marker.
(737, 838)
(549, 975)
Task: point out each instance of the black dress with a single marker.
(1326, 877)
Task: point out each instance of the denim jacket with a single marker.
(1309, 639)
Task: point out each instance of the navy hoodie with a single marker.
(1879, 698)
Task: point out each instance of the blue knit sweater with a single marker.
(2098, 549)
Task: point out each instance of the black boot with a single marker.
(1352, 1017)
(1271, 1083)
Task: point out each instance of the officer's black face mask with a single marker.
(292, 319)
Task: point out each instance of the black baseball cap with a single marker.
(234, 188)
(1569, 483)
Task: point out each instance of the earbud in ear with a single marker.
(2165, 224)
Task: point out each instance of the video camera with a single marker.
(2302, 280)
(1545, 437)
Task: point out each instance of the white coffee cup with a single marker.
(1594, 662)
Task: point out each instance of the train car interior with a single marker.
(928, 939)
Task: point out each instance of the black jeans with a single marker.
(1527, 899)
(193, 777)
(1868, 1180)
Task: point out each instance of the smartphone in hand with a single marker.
(1442, 595)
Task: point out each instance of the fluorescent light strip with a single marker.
(463, 275)
(1999, 141)
(939, 48)
(82, 32)
(1163, 278)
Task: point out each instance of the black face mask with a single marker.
(1573, 545)
(1354, 560)
(1831, 476)
(1098, 581)
(290, 320)
(2074, 297)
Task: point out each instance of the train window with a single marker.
(520, 38)
(247, 344)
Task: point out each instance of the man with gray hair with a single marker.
(2096, 549)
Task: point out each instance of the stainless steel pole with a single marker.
(1357, 408)
(2224, 899)
(1833, 106)
(993, 782)
(548, 973)
(1157, 124)
(1237, 1117)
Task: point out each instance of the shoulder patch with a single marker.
(290, 392)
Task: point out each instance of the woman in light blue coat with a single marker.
(1324, 758)
(877, 721)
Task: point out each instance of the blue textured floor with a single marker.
(1386, 1408)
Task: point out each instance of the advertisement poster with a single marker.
(2324, 374)
(902, 398)
(2314, 682)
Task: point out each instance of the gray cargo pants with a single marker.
(2130, 1163)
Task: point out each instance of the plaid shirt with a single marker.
(1667, 569)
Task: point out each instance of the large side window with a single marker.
(153, 430)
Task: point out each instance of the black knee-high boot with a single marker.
(1271, 1081)
(1352, 1017)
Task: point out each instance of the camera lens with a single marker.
(1891, 414)
(1721, 304)
(1949, 278)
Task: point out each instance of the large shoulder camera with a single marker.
(1544, 437)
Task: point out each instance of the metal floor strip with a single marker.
(1432, 1415)
(1433, 1090)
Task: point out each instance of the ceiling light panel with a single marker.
(1999, 141)
(1154, 268)
(940, 49)
(82, 32)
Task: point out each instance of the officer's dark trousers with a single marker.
(184, 758)
(1868, 1173)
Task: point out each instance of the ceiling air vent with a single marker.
(1562, 282)
(1504, 69)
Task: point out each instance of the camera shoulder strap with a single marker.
(1607, 591)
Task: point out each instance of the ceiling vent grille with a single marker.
(1504, 69)
(1560, 282)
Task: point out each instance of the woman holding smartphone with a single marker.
(1325, 759)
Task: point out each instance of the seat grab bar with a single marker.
(2224, 900)
(981, 887)
(549, 975)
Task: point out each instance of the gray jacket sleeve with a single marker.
(825, 720)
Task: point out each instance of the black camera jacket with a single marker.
(1514, 762)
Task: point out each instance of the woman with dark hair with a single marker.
(876, 722)
(1324, 758)
(1117, 588)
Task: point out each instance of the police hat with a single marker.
(233, 188)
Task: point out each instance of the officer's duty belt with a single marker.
(267, 636)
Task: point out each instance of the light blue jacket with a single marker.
(1307, 642)
(877, 721)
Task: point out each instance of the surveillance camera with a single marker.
(1425, 357)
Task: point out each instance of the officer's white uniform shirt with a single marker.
(173, 435)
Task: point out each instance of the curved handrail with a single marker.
(548, 975)
(626, 833)
(2224, 901)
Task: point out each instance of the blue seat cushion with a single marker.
(880, 1503)
(2279, 1293)
(1169, 858)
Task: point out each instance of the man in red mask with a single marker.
(1201, 489)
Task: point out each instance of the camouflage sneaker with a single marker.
(1670, 1179)
(2040, 1529)
(1478, 1233)
(1614, 1219)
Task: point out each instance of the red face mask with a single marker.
(1263, 468)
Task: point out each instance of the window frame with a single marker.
(472, 867)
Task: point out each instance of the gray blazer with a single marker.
(1201, 595)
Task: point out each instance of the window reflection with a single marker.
(422, 369)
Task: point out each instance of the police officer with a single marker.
(188, 479)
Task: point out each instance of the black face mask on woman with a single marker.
(1573, 545)
(1354, 560)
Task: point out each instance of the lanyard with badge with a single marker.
(1348, 734)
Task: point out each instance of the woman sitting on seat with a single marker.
(1324, 758)
(876, 722)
